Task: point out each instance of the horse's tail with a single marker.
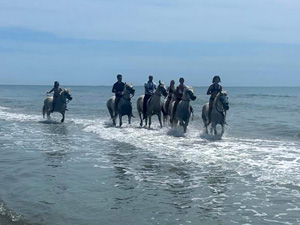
(204, 118)
(44, 111)
(163, 110)
(110, 105)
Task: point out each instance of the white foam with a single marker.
(266, 160)
(6, 115)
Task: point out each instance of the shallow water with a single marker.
(85, 171)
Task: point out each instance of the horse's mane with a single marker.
(220, 93)
(188, 88)
(128, 85)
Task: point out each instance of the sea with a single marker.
(86, 171)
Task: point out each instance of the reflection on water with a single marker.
(175, 188)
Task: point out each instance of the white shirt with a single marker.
(149, 88)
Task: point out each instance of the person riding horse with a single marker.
(118, 89)
(56, 92)
(150, 87)
(171, 90)
(213, 90)
(178, 94)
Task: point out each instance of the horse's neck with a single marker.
(157, 92)
(217, 103)
(126, 95)
(185, 98)
(185, 101)
(62, 98)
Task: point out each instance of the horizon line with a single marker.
(103, 85)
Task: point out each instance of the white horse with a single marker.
(153, 105)
(124, 106)
(218, 113)
(183, 111)
(60, 105)
(166, 110)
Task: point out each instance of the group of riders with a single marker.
(150, 87)
(175, 93)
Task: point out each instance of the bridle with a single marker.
(222, 111)
(128, 99)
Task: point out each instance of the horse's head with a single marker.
(128, 89)
(66, 94)
(188, 94)
(162, 89)
(223, 98)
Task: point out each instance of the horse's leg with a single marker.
(114, 119)
(48, 114)
(120, 120)
(129, 119)
(181, 123)
(63, 117)
(159, 119)
(215, 129)
(141, 119)
(206, 128)
(112, 115)
(146, 120)
(184, 127)
(222, 130)
(150, 121)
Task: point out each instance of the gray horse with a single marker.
(218, 113)
(167, 110)
(153, 105)
(60, 105)
(124, 106)
(183, 111)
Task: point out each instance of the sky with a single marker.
(89, 42)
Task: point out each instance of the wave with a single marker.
(9, 217)
(6, 114)
(266, 160)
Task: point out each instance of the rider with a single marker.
(56, 92)
(150, 87)
(178, 94)
(213, 90)
(118, 89)
(170, 90)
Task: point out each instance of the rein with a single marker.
(128, 99)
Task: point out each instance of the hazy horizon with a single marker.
(140, 85)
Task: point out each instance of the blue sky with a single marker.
(246, 42)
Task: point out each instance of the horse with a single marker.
(124, 106)
(167, 110)
(60, 105)
(218, 113)
(183, 111)
(153, 105)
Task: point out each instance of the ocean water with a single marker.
(87, 172)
